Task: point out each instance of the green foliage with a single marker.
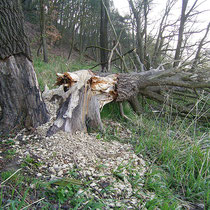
(178, 149)
(9, 154)
(112, 111)
(29, 161)
(181, 163)
(20, 188)
(14, 191)
(63, 192)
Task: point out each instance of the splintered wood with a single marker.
(84, 95)
(104, 87)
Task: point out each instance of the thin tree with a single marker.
(201, 44)
(43, 30)
(104, 35)
(184, 17)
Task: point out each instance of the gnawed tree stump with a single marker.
(20, 97)
(84, 95)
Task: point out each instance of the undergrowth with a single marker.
(176, 150)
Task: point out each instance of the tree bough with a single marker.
(85, 93)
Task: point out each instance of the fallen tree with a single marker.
(84, 93)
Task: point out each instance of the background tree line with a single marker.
(93, 27)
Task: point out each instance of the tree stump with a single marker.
(21, 101)
(84, 95)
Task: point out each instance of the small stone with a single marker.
(39, 174)
(93, 184)
(52, 170)
(65, 166)
(60, 173)
(32, 186)
(56, 167)
(53, 177)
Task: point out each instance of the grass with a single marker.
(180, 169)
(19, 190)
(46, 72)
(176, 150)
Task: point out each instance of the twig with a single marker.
(130, 51)
(94, 46)
(10, 176)
(122, 112)
(112, 51)
(32, 203)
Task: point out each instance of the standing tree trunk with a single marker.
(43, 31)
(20, 97)
(104, 35)
(197, 56)
(140, 49)
(181, 31)
(184, 18)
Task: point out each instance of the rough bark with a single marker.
(13, 39)
(134, 102)
(129, 85)
(20, 98)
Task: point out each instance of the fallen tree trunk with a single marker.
(84, 95)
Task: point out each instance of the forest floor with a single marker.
(158, 161)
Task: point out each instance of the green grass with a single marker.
(46, 72)
(180, 167)
(19, 190)
(176, 151)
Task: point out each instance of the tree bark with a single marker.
(181, 31)
(104, 35)
(13, 39)
(80, 112)
(140, 49)
(134, 102)
(43, 31)
(20, 97)
(82, 102)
